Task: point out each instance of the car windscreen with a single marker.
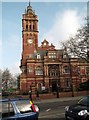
(84, 101)
(24, 106)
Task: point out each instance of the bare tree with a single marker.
(0, 80)
(6, 79)
(79, 44)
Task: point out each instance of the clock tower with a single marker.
(29, 45)
(29, 32)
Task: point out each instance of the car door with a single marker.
(8, 111)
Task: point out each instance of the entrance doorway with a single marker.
(54, 86)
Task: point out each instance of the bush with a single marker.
(4, 93)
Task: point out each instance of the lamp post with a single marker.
(72, 87)
(26, 82)
(30, 93)
(58, 73)
(57, 91)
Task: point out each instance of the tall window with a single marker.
(26, 27)
(67, 83)
(33, 27)
(39, 71)
(30, 27)
(30, 70)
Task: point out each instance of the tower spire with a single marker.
(29, 3)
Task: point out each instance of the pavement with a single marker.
(57, 99)
(62, 99)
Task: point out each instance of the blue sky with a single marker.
(57, 22)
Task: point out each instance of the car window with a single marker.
(24, 106)
(7, 109)
(0, 109)
(84, 101)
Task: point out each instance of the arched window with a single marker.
(39, 86)
(66, 69)
(30, 27)
(53, 71)
(26, 27)
(33, 27)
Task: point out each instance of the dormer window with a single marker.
(38, 56)
(52, 54)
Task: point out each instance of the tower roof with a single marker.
(29, 9)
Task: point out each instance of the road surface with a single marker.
(53, 110)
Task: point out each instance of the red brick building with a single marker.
(45, 67)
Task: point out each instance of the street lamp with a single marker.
(72, 87)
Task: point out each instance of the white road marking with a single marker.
(48, 110)
(47, 116)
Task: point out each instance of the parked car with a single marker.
(18, 109)
(79, 111)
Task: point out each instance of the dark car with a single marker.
(79, 111)
(18, 109)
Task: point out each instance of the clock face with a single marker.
(30, 41)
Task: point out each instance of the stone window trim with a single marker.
(38, 71)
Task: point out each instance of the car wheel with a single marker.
(66, 117)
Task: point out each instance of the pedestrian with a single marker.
(37, 94)
(30, 95)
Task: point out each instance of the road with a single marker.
(52, 110)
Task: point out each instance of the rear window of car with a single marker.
(84, 101)
(7, 109)
(24, 106)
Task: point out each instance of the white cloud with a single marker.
(15, 68)
(65, 25)
(12, 45)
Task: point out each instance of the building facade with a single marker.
(45, 67)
